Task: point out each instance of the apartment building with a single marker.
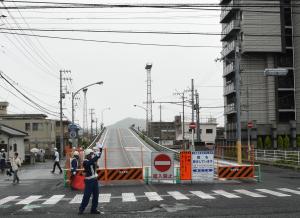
(257, 35)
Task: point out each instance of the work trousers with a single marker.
(56, 163)
(91, 187)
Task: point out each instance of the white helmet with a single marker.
(2, 149)
(55, 149)
(88, 151)
(76, 153)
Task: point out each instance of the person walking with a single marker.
(16, 164)
(56, 161)
(2, 160)
(91, 182)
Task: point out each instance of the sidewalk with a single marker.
(37, 171)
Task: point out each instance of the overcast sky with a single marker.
(34, 63)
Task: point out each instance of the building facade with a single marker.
(257, 35)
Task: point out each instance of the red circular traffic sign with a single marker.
(192, 125)
(162, 162)
(250, 125)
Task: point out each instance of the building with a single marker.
(253, 39)
(42, 133)
(12, 140)
(162, 132)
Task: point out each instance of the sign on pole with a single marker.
(185, 165)
(202, 165)
(162, 165)
(250, 125)
(276, 72)
(192, 125)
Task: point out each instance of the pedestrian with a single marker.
(74, 165)
(91, 182)
(56, 161)
(16, 164)
(2, 160)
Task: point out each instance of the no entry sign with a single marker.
(162, 162)
(162, 165)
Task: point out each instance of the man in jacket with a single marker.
(2, 160)
(56, 161)
(91, 183)
(16, 163)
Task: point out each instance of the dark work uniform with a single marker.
(91, 183)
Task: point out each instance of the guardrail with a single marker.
(279, 156)
(97, 138)
(155, 145)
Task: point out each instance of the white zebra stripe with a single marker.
(251, 194)
(30, 199)
(225, 194)
(104, 198)
(128, 197)
(202, 195)
(178, 196)
(153, 196)
(290, 191)
(77, 199)
(54, 199)
(278, 194)
(7, 199)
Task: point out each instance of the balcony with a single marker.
(230, 109)
(229, 88)
(228, 69)
(229, 49)
(228, 10)
(230, 29)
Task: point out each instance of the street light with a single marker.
(73, 96)
(146, 116)
(102, 123)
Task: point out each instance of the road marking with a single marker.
(278, 194)
(289, 190)
(178, 196)
(226, 194)
(7, 199)
(251, 194)
(153, 196)
(54, 199)
(202, 195)
(30, 199)
(104, 198)
(128, 197)
(77, 199)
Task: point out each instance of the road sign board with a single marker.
(73, 134)
(162, 165)
(192, 125)
(185, 165)
(250, 125)
(202, 165)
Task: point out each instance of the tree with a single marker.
(280, 142)
(260, 143)
(268, 142)
(286, 142)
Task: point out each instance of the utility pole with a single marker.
(148, 68)
(193, 118)
(182, 95)
(92, 112)
(96, 126)
(61, 97)
(198, 117)
(238, 102)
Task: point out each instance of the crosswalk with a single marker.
(130, 197)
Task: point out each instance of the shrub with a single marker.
(260, 143)
(280, 142)
(286, 142)
(268, 142)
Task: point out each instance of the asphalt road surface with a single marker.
(124, 149)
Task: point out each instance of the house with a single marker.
(12, 140)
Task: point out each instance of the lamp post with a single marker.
(146, 116)
(73, 110)
(102, 112)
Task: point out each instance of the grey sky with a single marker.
(121, 67)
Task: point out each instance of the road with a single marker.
(124, 149)
(43, 193)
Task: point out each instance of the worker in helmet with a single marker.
(91, 182)
(74, 163)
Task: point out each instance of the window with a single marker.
(15, 147)
(35, 126)
(27, 126)
(209, 131)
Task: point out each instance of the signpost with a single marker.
(276, 72)
(202, 165)
(162, 165)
